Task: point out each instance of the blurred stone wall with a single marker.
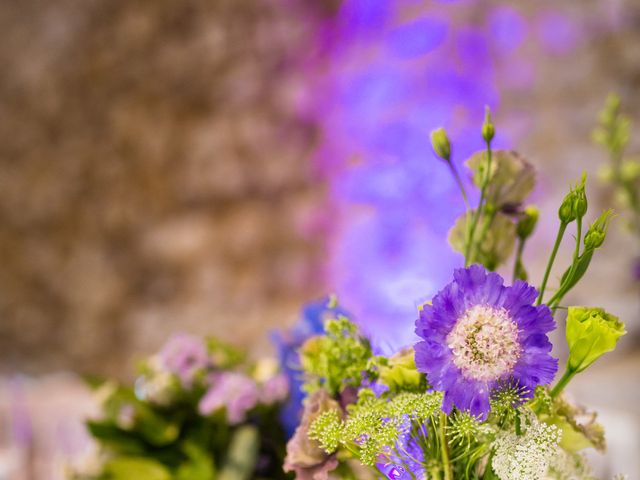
(153, 176)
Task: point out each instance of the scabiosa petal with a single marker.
(478, 333)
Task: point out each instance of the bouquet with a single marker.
(197, 411)
(479, 395)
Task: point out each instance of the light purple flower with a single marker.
(185, 356)
(275, 389)
(235, 392)
(479, 334)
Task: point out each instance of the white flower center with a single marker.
(484, 343)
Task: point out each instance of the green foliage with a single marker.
(622, 172)
(128, 468)
(338, 359)
(155, 430)
(373, 424)
(613, 127)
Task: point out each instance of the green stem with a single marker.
(444, 448)
(566, 378)
(562, 291)
(521, 242)
(479, 210)
(458, 180)
(552, 258)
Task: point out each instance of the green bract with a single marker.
(591, 332)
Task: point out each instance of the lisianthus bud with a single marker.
(528, 222)
(440, 144)
(488, 130)
(597, 232)
(591, 332)
(575, 203)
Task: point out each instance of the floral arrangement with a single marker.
(477, 396)
(198, 411)
(622, 171)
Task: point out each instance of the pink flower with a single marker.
(234, 391)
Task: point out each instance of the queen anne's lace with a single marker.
(529, 455)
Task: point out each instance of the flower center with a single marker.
(484, 343)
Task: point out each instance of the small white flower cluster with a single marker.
(526, 456)
(569, 466)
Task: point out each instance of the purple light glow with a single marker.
(393, 76)
(557, 33)
(508, 29)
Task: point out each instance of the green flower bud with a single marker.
(575, 203)
(440, 144)
(488, 130)
(401, 372)
(591, 332)
(528, 222)
(594, 238)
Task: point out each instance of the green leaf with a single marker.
(154, 428)
(200, 465)
(130, 468)
(108, 434)
(242, 455)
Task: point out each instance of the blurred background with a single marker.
(209, 166)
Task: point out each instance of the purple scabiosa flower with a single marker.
(407, 460)
(184, 356)
(479, 334)
(236, 392)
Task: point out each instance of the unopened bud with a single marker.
(488, 130)
(575, 204)
(597, 232)
(527, 222)
(440, 144)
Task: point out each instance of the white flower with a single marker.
(526, 456)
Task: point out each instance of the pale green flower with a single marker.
(591, 332)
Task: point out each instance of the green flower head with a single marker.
(591, 332)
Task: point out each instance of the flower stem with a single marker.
(458, 180)
(521, 242)
(562, 291)
(552, 258)
(479, 210)
(444, 447)
(566, 378)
